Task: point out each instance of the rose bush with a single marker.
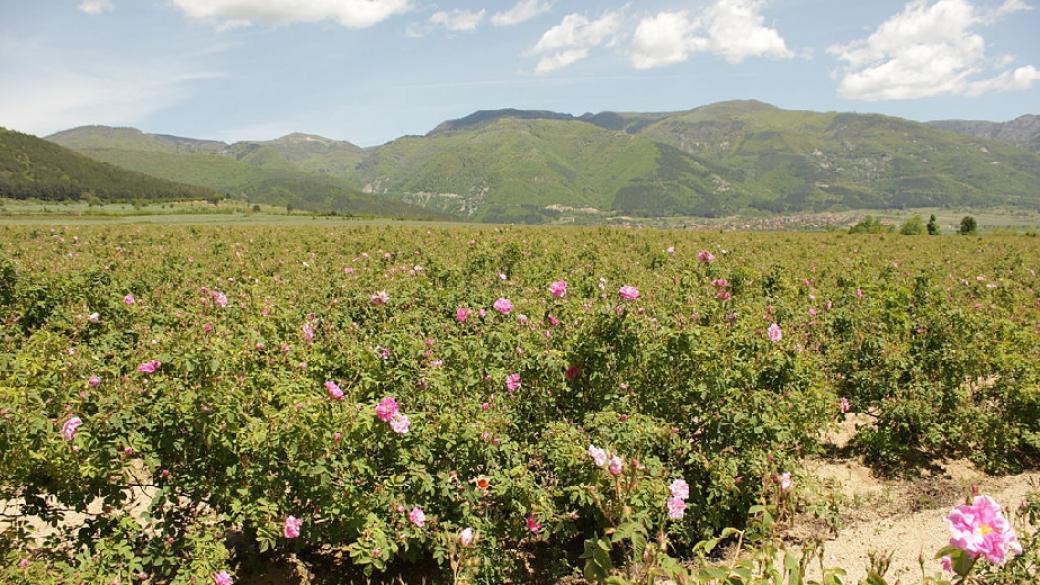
(386, 424)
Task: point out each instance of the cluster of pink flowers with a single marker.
(680, 491)
(980, 529)
(389, 412)
(614, 464)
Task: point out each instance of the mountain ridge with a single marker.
(526, 165)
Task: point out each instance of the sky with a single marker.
(369, 71)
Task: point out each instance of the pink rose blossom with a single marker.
(149, 367)
(68, 430)
(94, 318)
(23, 564)
(222, 578)
(843, 405)
(386, 409)
(533, 526)
(129, 299)
(558, 289)
(553, 321)
(676, 508)
(417, 517)
(308, 332)
(723, 295)
(628, 293)
(513, 382)
(466, 537)
(670, 250)
(94, 381)
(615, 466)
(291, 528)
(980, 529)
(400, 423)
(785, 482)
(812, 311)
(680, 489)
(461, 314)
(859, 293)
(504, 306)
(946, 563)
(775, 333)
(599, 456)
(720, 283)
(705, 257)
(334, 390)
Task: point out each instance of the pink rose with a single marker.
(149, 367)
(291, 528)
(222, 578)
(504, 306)
(599, 456)
(417, 516)
(615, 466)
(786, 482)
(68, 430)
(628, 293)
(400, 423)
(775, 333)
(980, 529)
(94, 381)
(386, 409)
(461, 314)
(676, 508)
(94, 318)
(680, 489)
(513, 382)
(533, 526)
(705, 257)
(334, 390)
(558, 289)
(129, 299)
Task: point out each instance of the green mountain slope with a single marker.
(795, 160)
(31, 167)
(262, 172)
(528, 169)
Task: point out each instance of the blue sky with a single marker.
(369, 71)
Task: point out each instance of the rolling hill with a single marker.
(33, 168)
(535, 166)
(297, 171)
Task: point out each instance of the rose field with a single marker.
(432, 404)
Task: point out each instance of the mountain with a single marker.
(1023, 131)
(730, 157)
(31, 167)
(737, 157)
(298, 170)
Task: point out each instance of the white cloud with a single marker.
(96, 6)
(236, 13)
(524, 10)
(734, 29)
(929, 49)
(458, 20)
(572, 40)
(47, 93)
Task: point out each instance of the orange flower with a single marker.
(483, 482)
